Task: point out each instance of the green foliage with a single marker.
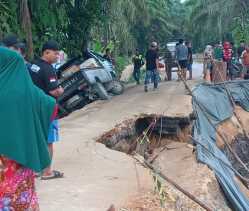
(241, 32)
(8, 18)
(97, 46)
(123, 24)
(159, 189)
(82, 15)
(211, 21)
(121, 63)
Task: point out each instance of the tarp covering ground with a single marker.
(212, 104)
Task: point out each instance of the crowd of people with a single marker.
(29, 122)
(183, 60)
(231, 62)
(235, 60)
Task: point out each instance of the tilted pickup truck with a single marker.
(85, 80)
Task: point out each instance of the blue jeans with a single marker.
(153, 76)
(136, 75)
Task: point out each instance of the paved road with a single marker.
(197, 72)
(96, 177)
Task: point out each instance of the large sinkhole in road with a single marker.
(146, 133)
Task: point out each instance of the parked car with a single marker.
(173, 65)
(86, 79)
(172, 48)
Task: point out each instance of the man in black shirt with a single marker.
(138, 62)
(44, 76)
(168, 60)
(190, 58)
(152, 61)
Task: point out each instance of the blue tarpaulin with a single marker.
(212, 104)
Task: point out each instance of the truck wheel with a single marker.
(117, 88)
(101, 91)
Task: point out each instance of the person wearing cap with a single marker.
(152, 66)
(44, 76)
(12, 42)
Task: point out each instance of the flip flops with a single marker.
(55, 175)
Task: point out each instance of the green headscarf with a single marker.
(25, 114)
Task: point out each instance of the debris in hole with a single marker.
(124, 137)
(179, 162)
(241, 146)
(171, 125)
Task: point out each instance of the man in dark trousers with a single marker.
(190, 58)
(44, 76)
(168, 60)
(152, 66)
(182, 58)
(138, 62)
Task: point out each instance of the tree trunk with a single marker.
(26, 26)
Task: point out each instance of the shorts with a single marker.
(53, 133)
(183, 63)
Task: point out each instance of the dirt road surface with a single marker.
(95, 176)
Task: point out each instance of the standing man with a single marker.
(241, 49)
(44, 76)
(227, 57)
(190, 58)
(182, 58)
(152, 64)
(138, 62)
(245, 62)
(168, 60)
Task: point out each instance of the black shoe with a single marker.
(146, 89)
